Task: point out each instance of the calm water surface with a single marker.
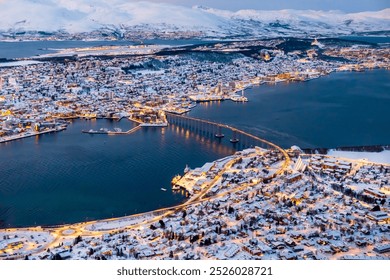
(13, 50)
(342, 109)
(70, 176)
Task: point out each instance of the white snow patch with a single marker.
(75, 16)
(18, 63)
(381, 157)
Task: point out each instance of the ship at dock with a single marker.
(100, 131)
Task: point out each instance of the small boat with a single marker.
(91, 131)
(164, 190)
(192, 105)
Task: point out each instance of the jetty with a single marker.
(110, 132)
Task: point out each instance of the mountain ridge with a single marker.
(120, 16)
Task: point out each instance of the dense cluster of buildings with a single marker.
(37, 97)
(308, 210)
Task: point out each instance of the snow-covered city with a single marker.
(255, 204)
(263, 201)
(141, 83)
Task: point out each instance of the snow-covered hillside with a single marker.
(305, 22)
(120, 16)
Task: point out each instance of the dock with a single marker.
(109, 132)
(30, 134)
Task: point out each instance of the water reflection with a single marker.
(95, 176)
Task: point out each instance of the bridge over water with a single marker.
(203, 127)
(239, 138)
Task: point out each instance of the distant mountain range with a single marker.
(119, 17)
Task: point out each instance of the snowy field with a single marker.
(18, 63)
(382, 157)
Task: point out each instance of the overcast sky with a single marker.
(343, 5)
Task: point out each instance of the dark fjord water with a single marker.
(342, 109)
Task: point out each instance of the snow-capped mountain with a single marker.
(304, 22)
(121, 16)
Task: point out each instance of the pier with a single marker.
(110, 132)
(5, 139)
